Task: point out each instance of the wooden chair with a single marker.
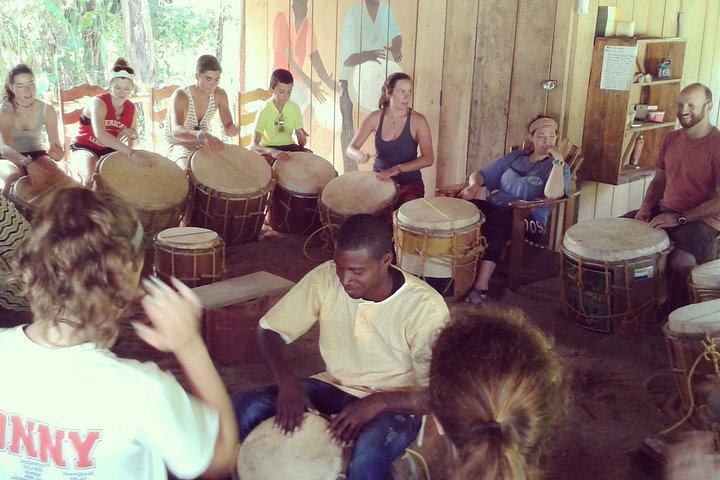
(561, 218)
(247, 117)
(72, 102)
(159, 102)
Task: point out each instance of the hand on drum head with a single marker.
(664, 220)
(372, 55)
(211, 141)
(174, 316)
(41, 173)
(281, 155)
(292, 403)
(694, 458)
(388, 173)
(644, 214)
(469, 192)
(346, 425)
(142, 161)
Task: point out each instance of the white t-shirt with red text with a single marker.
(81, 412)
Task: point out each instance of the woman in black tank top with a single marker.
(399, 131)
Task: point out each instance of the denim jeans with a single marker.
(379, 443)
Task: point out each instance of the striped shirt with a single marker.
(191, 120)
(367, 346)
(13, 229)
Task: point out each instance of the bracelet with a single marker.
(560, 163)
(27, 161)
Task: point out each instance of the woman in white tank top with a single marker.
(22, 119)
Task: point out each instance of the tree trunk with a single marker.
(139, 41)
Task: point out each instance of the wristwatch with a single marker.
(681, 220)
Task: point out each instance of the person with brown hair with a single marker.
(73, 407)
(399, 131)
(192, 108)
(107, 124)
(497, 388)
(529, 174)
(22, 119)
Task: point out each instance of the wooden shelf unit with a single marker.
(608, 136)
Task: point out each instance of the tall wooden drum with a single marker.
(26, 197)
(158, 192)
(298, 183)
(439, 240)
(692, 335)
(230, 190)
(193, 255)
(704, 282)
(613, 275)
(353, 193)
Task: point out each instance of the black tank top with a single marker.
(401, 150)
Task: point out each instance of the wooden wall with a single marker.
(479, 66)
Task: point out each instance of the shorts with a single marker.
(75, 147)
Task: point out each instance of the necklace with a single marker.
(25, 106)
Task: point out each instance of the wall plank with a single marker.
(620, 200)
(604, 200)
(429, 54)
(455, 129)
(635, 194)
(672, 8)
(588, 198)
(558, 99)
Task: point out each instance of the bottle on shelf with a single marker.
(637, 150)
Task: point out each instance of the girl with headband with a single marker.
(107, 124)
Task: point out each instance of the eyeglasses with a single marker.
(280, 123)
(127, 69)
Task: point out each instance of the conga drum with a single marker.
(439, 240)
(353, 193)
(704, 282)
(308, 453)
(298, 183)
(613, 275)
(230, 190)
(692, 336)
(158, 192)
(195, 256)
(26, 197)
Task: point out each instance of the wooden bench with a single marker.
(232, 309)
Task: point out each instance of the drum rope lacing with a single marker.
(711, 354)
(456, 252)
(630, 315)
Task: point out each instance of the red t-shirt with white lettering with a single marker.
(86, 136)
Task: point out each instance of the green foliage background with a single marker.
(70, 42)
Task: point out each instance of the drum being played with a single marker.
(692, 335)
(26, 197)
(230, 191)
(353, 193)
(195, 256)
(704, 282)
(158, 192)
(613, 275)
(438, 239)
(299, 181)
(309, 453)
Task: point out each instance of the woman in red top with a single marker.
(107, 124)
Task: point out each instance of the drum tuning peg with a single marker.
(549, 85)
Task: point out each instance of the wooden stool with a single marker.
(233, 308)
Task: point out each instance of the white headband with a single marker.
(122, 74)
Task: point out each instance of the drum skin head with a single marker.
(163, 185)
(233, 170)
(307, 454)
(188, 237)
(706, 274)
(701, 317)
(614, 239)
(304, 173)
(442, 213)
(358, 192)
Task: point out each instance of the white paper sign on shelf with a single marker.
(618, 67)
